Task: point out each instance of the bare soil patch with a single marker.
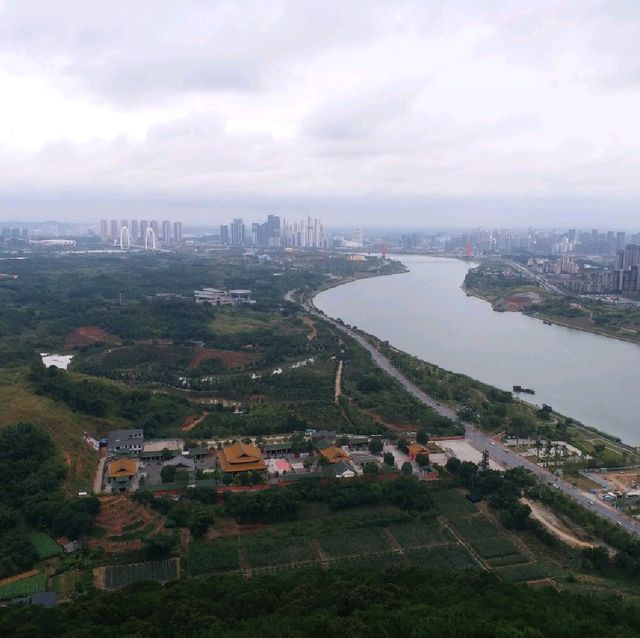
(86, 335)
(118, 512)
(310, 323)
(230, 358)
(228, 528)
(191, 421)
(555, 526)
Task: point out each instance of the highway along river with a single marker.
(424, 312)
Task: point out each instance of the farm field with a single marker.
(452, 504)
(418, 534)
(382, 534)
(117, 576)
(23, 587)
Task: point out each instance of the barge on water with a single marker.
(519, 388)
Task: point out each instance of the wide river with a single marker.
(424, 312)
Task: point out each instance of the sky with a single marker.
(458, 113)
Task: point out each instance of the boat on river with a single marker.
(519, 388)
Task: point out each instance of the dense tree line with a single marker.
(502, 489)
(360, 602)
(31, 476)
(282, 504)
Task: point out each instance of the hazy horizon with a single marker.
(405, 114)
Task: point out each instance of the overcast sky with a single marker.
(420, 113)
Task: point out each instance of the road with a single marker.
(497, 452)
(539, 279)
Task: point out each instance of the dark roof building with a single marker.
(125, 442)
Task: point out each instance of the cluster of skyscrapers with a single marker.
(15, 236)
(134, 231)
(275, 233)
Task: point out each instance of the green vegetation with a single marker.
(31, 474)
(45, 546)
(160, 571)
(410, 602)
(23, 587)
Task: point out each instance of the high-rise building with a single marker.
(237, 232)
(273, 236)
(166, 232)
(144, 224)
(620, 239)
(134, 227)
(115, 230)
(224, 234)
(104, 230)
(630, 256)
(177, 232)
(155, 228)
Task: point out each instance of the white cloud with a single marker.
(317, 105)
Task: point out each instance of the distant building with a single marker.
(237, 232)
(217, 297)
(416, 450)
(134, 228)
(104, 231)
(166, 232)
(241, 457)
(155, 228)
(334, 454)
(144, 224)
(115, 230)
(224, 234)
(125, 442)
(120, 474)
(177, 232)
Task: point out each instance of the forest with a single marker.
(355, 601)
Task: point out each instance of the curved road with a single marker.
(497, 452)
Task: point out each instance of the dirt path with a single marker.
(189, 425)
(555, 526)
(393, 541)
(324, 559)
(97, 481)
(310, 323)
(338, 391)
(245, 565)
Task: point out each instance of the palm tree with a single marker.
(538, 446)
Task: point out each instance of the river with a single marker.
(425, 312)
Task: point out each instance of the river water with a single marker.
(424, 312)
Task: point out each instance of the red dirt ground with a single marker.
(230, 358)
(87, 335)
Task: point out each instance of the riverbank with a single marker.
(493, 290)
(389, 319)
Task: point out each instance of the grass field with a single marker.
(230, 321)
(263, 552)
(24, 587)
(63, 425)
(448, 557)
(346, 542)
(417, 534)
(452, 504)
(205, 557)
(45, 546)
(519, 573)
(493, 546)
